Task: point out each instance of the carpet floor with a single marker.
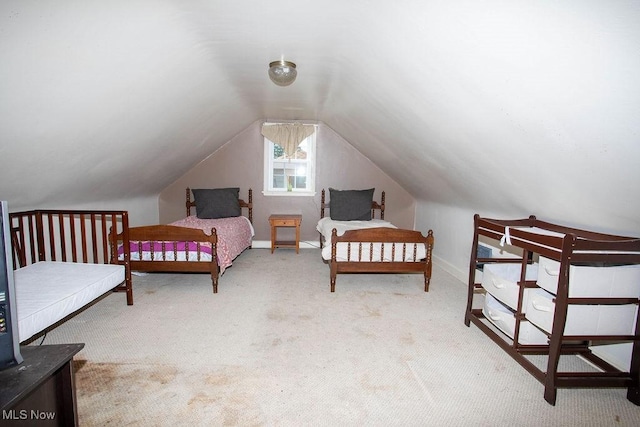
(275, 348)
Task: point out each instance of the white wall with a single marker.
(142, 211)
(239, 163)
(453, 232)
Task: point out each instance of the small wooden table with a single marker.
(283, 220)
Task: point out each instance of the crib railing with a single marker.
(80, 236)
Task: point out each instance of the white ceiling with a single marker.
(495, 105)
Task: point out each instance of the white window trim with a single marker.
(311, 177)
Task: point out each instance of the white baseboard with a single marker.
(266, 244)
(463, 276)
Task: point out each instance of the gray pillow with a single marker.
(350, 205)
(217, 203)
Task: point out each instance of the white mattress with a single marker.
(47, 292)
(326, 225)
(506, 238)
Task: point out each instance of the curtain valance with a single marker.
(287, 135)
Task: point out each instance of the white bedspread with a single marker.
(326, 225)
(47, 292)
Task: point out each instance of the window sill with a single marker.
(290, 193)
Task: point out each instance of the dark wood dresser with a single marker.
(41, 390)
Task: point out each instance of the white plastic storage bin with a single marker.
(620, 281)
(501, 281)
(582, 319)
(504, 319)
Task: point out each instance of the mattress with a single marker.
(504, 319)
(582, 319)
(501, 281)
(47, 292)
(584, 281)
(326, 225)
(506, 238)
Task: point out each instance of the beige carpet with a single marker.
(275, 348)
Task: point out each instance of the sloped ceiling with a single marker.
(493, 104)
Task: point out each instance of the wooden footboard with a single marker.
(80, 236)
(381, 250)
(169, 243)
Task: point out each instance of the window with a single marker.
(290, 175)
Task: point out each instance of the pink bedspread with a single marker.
(234, 235)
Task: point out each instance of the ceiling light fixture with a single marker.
(282, 72)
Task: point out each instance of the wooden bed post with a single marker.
(251, 206)
(334, 263)
(427, 271)
(321, 215)
(214, 276)
(188, 201)
(127, 262)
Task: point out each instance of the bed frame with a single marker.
(171, 233)
(62, 245)
(78, 236)
(399, 239)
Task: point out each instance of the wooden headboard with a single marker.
(248, 205)
(374, 205)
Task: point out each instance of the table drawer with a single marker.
(284, 222)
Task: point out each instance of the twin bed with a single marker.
(207, 242)
(354, 241)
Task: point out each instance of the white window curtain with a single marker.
(287, 135)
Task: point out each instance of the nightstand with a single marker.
(284, 220)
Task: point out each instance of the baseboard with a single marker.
(449, 268)
(463, 276)
(266, 244)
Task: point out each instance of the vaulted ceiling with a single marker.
(500, 104)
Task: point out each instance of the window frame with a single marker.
(310, 191)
